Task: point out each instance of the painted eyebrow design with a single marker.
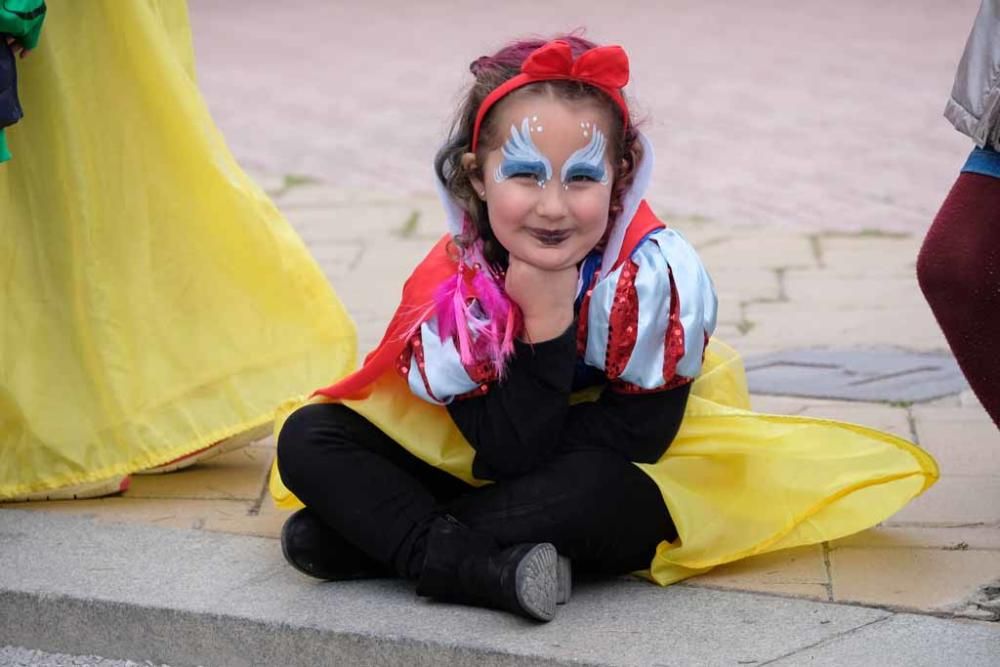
(587, 161)
(520, 155)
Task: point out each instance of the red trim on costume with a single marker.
(478, 391)
(482, 373)
(673, 345)
(673, 351)
(643, 222)
(417, 348)
(581, 320)
(623, 322)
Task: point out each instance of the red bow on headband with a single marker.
(604, 67)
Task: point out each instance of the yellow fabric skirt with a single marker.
(153, 300)
(737, 483)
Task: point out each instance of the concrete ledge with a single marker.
(192, 597)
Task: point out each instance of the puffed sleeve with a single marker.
(434, 370)
(648, 321)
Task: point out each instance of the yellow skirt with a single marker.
(153, 300)
(737, 483)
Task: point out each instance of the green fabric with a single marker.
(4, 153)
(27, 31)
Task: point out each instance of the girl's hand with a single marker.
(545, 298)
(17, 48)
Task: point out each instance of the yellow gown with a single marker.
(737, 483)
(153, 300)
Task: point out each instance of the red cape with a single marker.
(416, 305)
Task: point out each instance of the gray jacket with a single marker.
(974, 107)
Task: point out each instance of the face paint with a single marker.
(587, 164)
(522, 157)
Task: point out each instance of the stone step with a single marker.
(189, 597)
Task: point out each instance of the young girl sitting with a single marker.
(547, 352)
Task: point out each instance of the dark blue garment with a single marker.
(10, 107)
(983, 161)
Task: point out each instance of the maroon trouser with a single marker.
(959, 273)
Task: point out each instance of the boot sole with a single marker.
(536, 582)
(565, 585)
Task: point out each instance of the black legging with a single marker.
(594, 505)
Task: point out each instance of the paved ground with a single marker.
(806, 114)
(801, 149)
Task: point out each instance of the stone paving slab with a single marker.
(800, 572)
(956, 500)
(238, 475)
(781, 326)
(870, 256)
(183, 597)
(899, 535)
(913, 641)
(890, 375)
(935, 580)
(850, 292)
(889, 418)
(964, 441)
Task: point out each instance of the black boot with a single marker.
(467, 567)
(315, 549)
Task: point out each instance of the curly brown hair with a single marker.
(490, 72)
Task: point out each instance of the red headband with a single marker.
(603, 67)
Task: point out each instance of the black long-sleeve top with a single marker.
(526, 416)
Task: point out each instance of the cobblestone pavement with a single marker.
(806, 114)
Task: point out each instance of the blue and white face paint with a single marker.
(521, 156)
(587, 164)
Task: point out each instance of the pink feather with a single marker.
(482, 320)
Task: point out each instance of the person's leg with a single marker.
(959, 273)
(596, 507)
(497, 546)
(374, 494)
(362, 484)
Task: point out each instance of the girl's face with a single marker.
(548, 185)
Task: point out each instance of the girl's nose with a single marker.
(551, 204)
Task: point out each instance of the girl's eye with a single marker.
(582, 178)
(525, 174)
